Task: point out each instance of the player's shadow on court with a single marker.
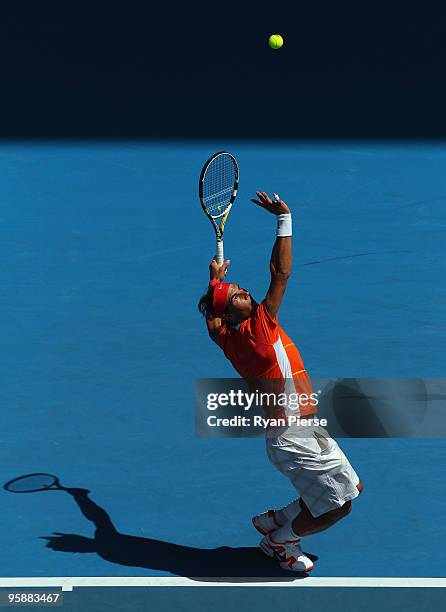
(216, 564)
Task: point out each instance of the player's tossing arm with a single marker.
(281, 256)
(216, 272)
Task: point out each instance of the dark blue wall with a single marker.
(192, 69)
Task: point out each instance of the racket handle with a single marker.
(220, 257)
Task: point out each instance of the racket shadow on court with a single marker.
(217, 564)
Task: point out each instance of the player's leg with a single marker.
(273, 519)
(327, 484)
(320, 472)
(306, 524)
(285, 543)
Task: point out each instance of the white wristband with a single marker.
(284, 225)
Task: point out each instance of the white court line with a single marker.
(68, 583)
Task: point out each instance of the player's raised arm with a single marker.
(281, 257)
(216, 273)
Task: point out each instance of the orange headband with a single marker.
(220, 297)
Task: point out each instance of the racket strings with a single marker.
(219, 185)
(217, 203)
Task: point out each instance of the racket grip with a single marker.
(220, 257)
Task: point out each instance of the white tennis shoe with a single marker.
(266, 523)
(289, 554)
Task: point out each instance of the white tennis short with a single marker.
(316, 466)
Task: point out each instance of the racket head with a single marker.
(32, 482)
(218, 187)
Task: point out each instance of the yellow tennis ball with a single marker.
(275, 41)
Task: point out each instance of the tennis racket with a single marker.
(34, 482)
(217, 188)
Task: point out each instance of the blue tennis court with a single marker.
(105, 252)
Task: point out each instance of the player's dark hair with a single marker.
(205, 303)
(205, 306)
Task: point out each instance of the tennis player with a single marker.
(252, 339)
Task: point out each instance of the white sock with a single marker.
(284, 534)
(288, 513)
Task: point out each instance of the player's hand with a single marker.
(275, 206)
(217, 272)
